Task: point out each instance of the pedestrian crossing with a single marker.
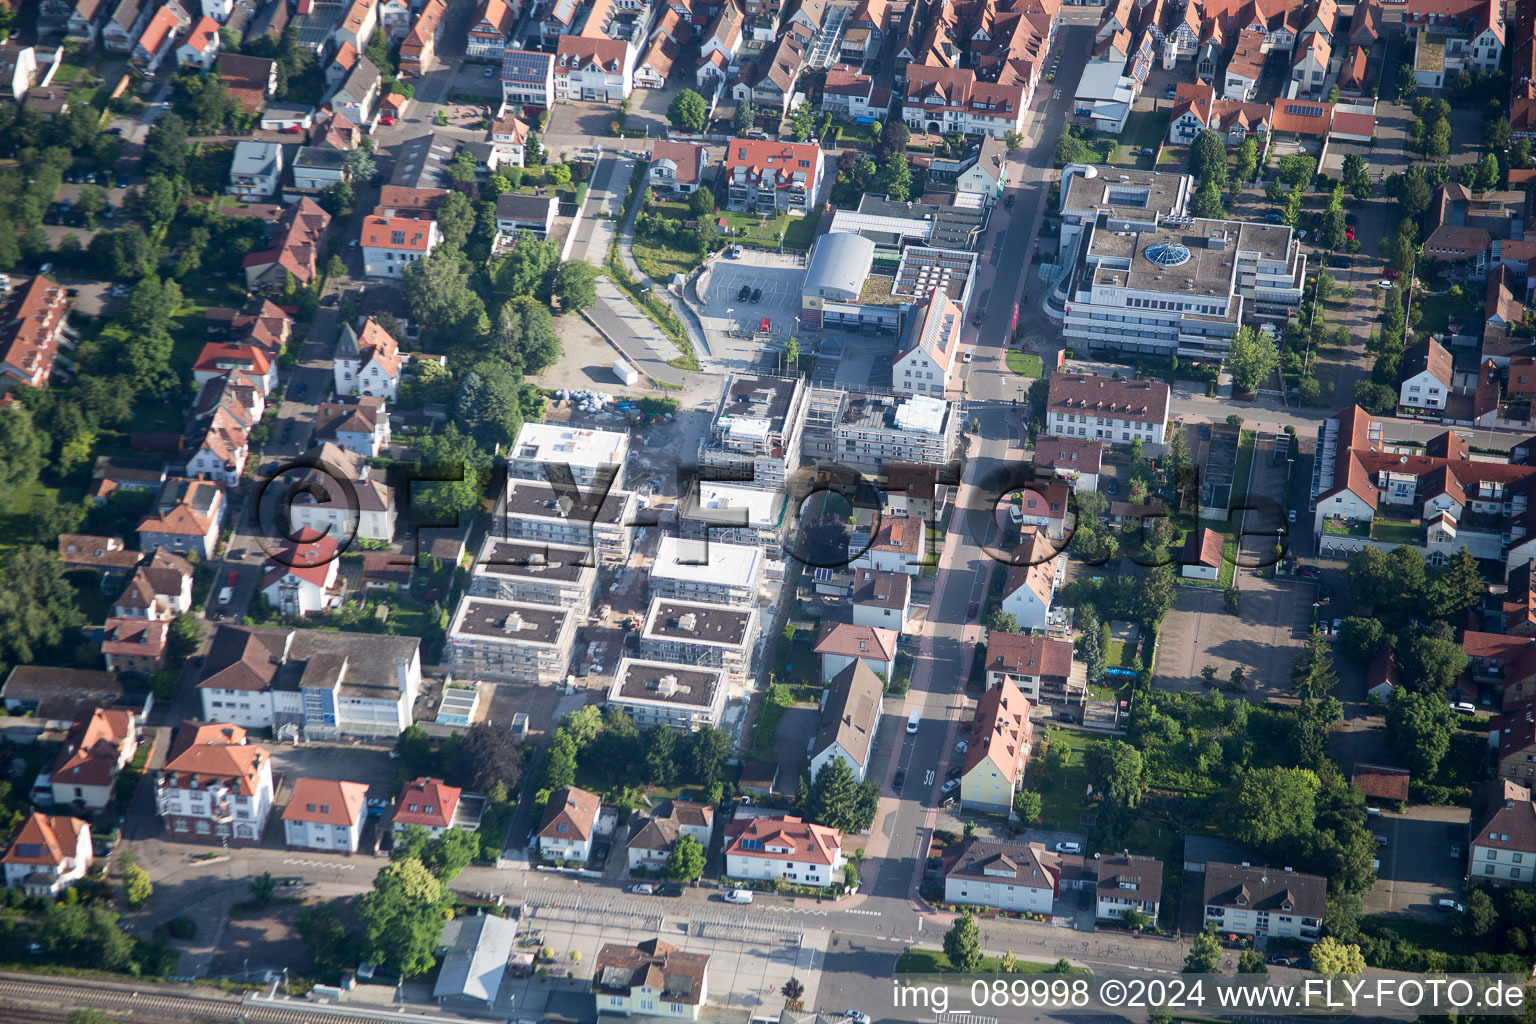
(866, 913)
(338, 865)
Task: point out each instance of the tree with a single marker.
(23, 449)
(137, 887)
(1487, 174)
(1360, 638)
(1421, 726)
(1013, 141)
(710, 748)
(1207, 201)
(489, 405)
(1116, 768)
(1296, 169)
(437, 293)
(1313, 675)
(1089, 645)
(1247, 160)
(1430, 656)
(448, 854)
(1458, 587)
(1026, 805)
(165, 148)
(263, 889)
(324, 935)
(701, 202)
(686, 861)
(1520, 154)
(962, 944)
(746, 118)
(560, 769)
(688, 111)
(802, 122)
(1407, 82)
(558, 174)
(37, 606)
(1268, 806)
(661, 755)
(456, 218)
(487, 754)
(1330, 957)
(792, 989)
(1252, 359)
(338, 199)
(896, 179)
(1204, 955)
(1437, 141)
(1208, 157)
(575, 285)
(1370, 581)
(832, 795)
(451, 471)
(403, 918)
(1251, 962)
(1357, 177)
(1480, 916)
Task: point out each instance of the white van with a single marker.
(912, 721)
(226, 595)
(738, 896)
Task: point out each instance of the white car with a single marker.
(1069, 847)
(226, 595)
(1466, 707)
(962, 747)
(855, 1017)
(970, 354)
(737, 896)
(1384, 283)
(640, 890)
(949, 787)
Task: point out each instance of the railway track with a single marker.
(41, 1001)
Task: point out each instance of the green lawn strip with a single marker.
(1025, 364)
(659, 261)
(1061, 803)
(933, 961)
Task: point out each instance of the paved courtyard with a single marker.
(1263, 639)
(1417, 868)
(734, 324)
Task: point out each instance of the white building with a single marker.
(781, 846)
(99, 745)
(881, 599)
(517, 212)
(1075, 460)
(681, 696)
(583, 517)
(528, 78)
(1030, 586)
(364, 506)
(594, 69)
(900, 545)
(1107, 409)
(367, 362)
(708, 572)
(651, 979)
(310, 683)
(390, 244)
(429, 804)
(1264, 901)
(842, 644)
(318, 167)
(851, 707)
(1128, 881)
(535, 573)
(587, 454)
(569, 825)
(299, 573)
(1019, 877)
(650, 847)
(704, 635)
(201, 45)
(325, 814)
(215, 791)
(257, 170)
(49, 854)
(735, 514)
(1503, 847)
(931, 361)
(1426, 377)
(491, 639)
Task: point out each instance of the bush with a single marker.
(181, 928)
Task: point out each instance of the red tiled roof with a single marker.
(93, 747)
(45, 840)
(1381, 782)
(785, 838)
(427, 802)
(844, 639)
(327, 801)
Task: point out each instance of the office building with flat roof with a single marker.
(691, 633)
(706, 571)
(507, 640)
(666, 693)
(533, 573)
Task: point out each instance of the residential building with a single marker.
(734, 514)
(357, 25)
(105, 555)
(220, 359)
(756, 431)
(316, 168)
(216, 791)
(594, 68)
(1512, 735)
(325, 814)
(489, 28)
(1018, 877)
(655, 65)
(900, 545)
(187, 516)
(100, 744)
(476, 952)
(1202, 556)
(841, 644)
(1105, 95)
(1264, 901)
(569, 824)
(1107, 409)
(343, 496)
(368, 362)
(311, 683)
(491, 639)
(134, 645)
(1046, 505)
(982, 172)
(782, 846)
(49, 854)
(706, 635)
(1503, 831)
(299, 573)
(851, 707)
(1030, 586)
(650, 846)
(1000, 738)
(295, 247)
(772, 176)
(914, 490)
(706, 572)
(429, 804)
(933, 348)
(531, 573)
(390, 244)
(942, 100)
(1380, 782)
(593, 519)
(201, 45)
(1040, 668)
(1452, 36)
(125, 24)
(871, 432)
(516, 212)
(395, 18)
(678, 166)
(84, 21)
(57, 696)
(1078, 461)
(360, 425)
(1128, 881)
(681, 696)
(856, 96)
(652, 979)
(1424, 380)
(160, 587)
(257, 170)
(771, 80)
(881, 600)
(357, 98)
(1196, 108)
(528, 78)
(419, 47)
(34, 326)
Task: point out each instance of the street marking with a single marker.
(319, 864)
(866, 913)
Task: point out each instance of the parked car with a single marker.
(954, 771)
(671, 890)
(1451, 906)
(763, 327)
(1465, 707)
(1273, 216)
(1455, 851)
(226, 595)
(738, 896)
(386, 120)
(1309, 572)
(970, 355)
(978, 318)
(949, 787)
(122, 181)
(1391, 272)
(1384, 283)
(899, 780)
(292, 129)
(1146, 151)
(1069, 847)
(1008, 202)
(855, 1017)
(757, 295)
(745, 293)
(1383, 841)
(962, 747)
(232, 578)
(641, 890)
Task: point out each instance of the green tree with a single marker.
(701, 202)
(403, 918)
(1207, 201)
(896, 179)
(1437, 140)
(1487, 176)
(661, 755)
(23, 449)
(89, 1016)
(137, 888)
(962, 944)
(1251, 962)
(1208, 158)
(832, 794)
(1026, 805)
(575, 284)
(1331, 957)
(37, 605)
(436, 291)
(802, 122)
(558, 174)
(263, 889)
(1430, 656)
(1252, 359)
(688, 111)
(489, 405)
(487, 755)
(165, 148)
(1421, 726)
(560, 769)
(1247, 159)
(1204, 955)
(746, 118)
(360, 165)
(686, 861)
(1313, 675)
(1480, 916)
(1357, 177)
(455, 218)
(1269, 806)
(1360, 638)
(708, 751)
(324, 936)
(1457, 587)
(1520, 154)
(1089, 644)
(1116, 770)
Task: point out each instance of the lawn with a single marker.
(791, 232)
(1061, 800)
(660, 261)
(1025, 364)
(802, 230)
(933, 961)
(1143, 129)
(1120, 654)
(1390, 531)
(1436, 311)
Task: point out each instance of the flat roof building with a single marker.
(491, 639)
(587, 453)
(534, 573)
(735, 514)
(573, 516)
(756, 429)
(665, 693)
(690, 633)
(705, 571)
(869, 432)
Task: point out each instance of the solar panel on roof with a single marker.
(823, 575)
(1303, 110)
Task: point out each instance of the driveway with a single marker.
(1416, 866)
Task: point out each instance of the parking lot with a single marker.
(1417, 868)
(734, 325)
(1264, 638)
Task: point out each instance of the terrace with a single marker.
(1431, 53)
(1397, 531)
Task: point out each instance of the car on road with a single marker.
(641, 890)
(1008, 203)
(962, 746)
(978, 318)
(232, 578)
(954, 771)
(1451, 906)
(299, 389)
(1384, 283)
(1069, 847)
(899, 780)
(745, 293)
(1290, 516)
(737, 896)
(1383, 841)
(1455, 851)
(226, 595)
(970, 609)
(949, 787)
(757, 295)
(1273, 216)
(970, 354)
